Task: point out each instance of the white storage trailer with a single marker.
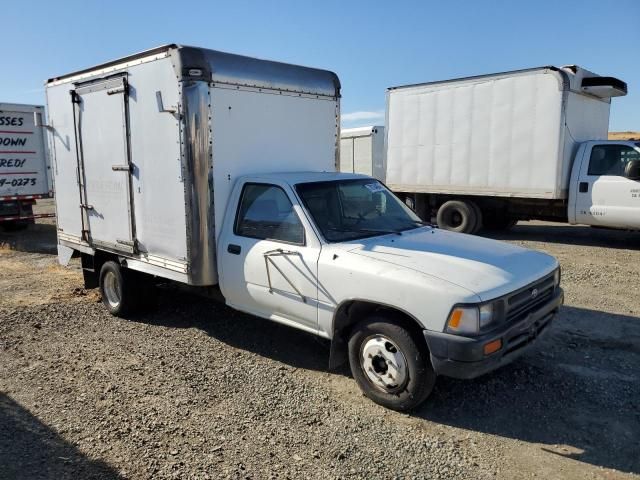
(24, 164)
(219, 171)
(497, 148)
(362, 151)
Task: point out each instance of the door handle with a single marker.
(584, 187)
(234, 249)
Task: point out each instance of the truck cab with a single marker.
(605, 185)
(339, 256)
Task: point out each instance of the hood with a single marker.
(488, 268)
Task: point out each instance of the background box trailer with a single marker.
(159, 138)
(24, 163)
(504, 144)
(362, 151)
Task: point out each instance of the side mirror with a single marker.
(632, 170)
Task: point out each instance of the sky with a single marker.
(371, 45)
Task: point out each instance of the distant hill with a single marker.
(624, 135)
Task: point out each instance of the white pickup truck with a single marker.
(170, 186)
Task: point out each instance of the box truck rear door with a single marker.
(605, 196)
(102, 128)
(23, 164)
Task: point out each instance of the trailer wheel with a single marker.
(117, 294)
(457, 216)
(500, 223)
(479, 217)
(15, 225)
(389, 365)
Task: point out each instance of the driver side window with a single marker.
(266, 213)
(611, 159)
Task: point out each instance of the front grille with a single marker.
(529, 299)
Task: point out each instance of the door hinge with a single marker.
(88, 207)
(132, 245)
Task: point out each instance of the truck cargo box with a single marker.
(510, 134)
(159, 138)
(362, 151)
(24, 163)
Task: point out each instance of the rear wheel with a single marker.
(500, 222)
(115, 286)
(458, 216)
(479, 217)
(389, 365)
(15, 225)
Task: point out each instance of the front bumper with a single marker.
(463, 357)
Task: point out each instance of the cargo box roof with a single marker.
(573, 78)
(192, 63)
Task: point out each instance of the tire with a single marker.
(457, 216)
(479, 217)
(374, 343)
(15, 225)
(117, 291)
(500, 223)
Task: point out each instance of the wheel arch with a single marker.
(351, 311)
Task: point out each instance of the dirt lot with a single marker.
(196, 390)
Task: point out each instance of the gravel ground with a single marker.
(196, 390)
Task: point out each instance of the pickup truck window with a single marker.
(265, 212)
(611, 159)
(355, 208)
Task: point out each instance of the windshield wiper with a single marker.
(422, 223)
(366, 230)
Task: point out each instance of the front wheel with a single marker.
(389, 365)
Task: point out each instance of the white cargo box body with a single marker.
(160, 137)
(510, 134)
(362, 151)
(24, 164)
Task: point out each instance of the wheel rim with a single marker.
(456, 219)
(384, 364)
(112, 289)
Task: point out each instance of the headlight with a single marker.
(556, 277)
(486, 315)
(471, 320)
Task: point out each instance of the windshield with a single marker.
(355, 208)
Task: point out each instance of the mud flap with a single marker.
(64, 255)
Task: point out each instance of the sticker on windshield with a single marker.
(374, 187)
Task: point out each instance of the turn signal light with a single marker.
(492, 347)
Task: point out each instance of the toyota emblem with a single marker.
(534, 293)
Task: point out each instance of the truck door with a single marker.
(605, 197)
(269, 266)
(101, 115)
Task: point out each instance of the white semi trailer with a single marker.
(25, 174)
(219, 171)
(362, 151)
(529, 144)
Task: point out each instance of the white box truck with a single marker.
(219, 171)
(529, 144)
(24, 164)
(362, 151)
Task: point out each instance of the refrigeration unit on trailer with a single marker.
(219, 171)
(24, 164)
(528, 144)
(362, 151)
